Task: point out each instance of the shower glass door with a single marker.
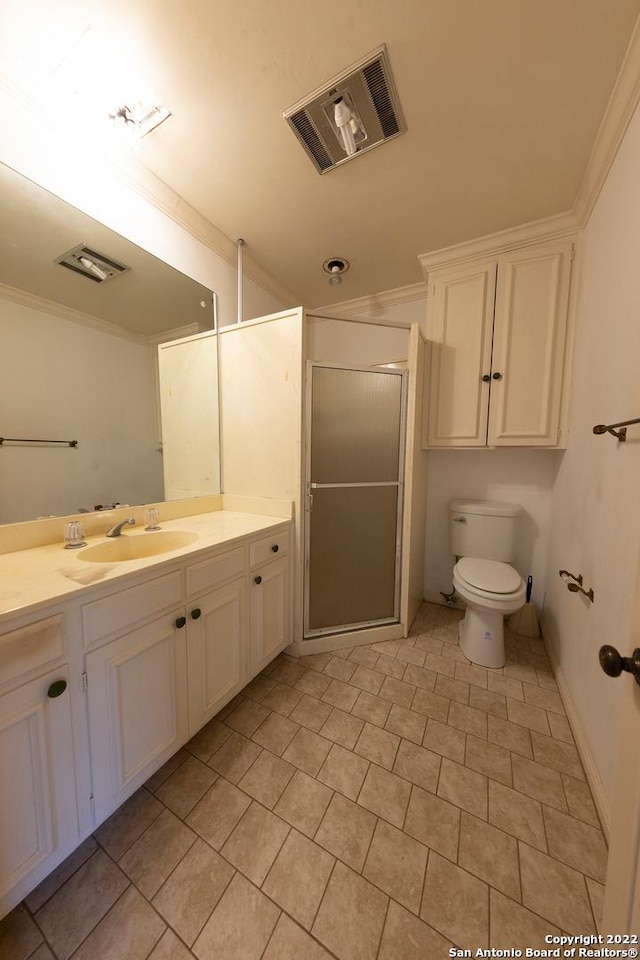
(355, 455)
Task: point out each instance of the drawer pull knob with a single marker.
(257, 580)
(180, 622)
(486, 378)
(196, 613)
(275, 548)
(497, 376)
(57, 688)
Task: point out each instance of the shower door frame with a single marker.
(309, 487)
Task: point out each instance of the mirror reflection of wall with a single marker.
(78, 359)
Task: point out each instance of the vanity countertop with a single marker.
(40, 575)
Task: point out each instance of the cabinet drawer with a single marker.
(209, 573)
(30, 647)
(109, 616)
(268, 548)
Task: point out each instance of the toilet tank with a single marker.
(483, 528)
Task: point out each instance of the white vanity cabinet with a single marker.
(37, 780)
(498, 327)
(270, 591)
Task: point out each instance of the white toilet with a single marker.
(482, 537)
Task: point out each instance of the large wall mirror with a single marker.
(78, 361)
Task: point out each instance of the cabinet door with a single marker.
(528, 345)
(136, 687)
(37, 784)
(216, 645)
(270, 615)
(460, 322)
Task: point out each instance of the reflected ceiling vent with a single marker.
(353, 113)
(91, 264)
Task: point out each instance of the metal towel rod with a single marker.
(611, 428)
(66, 443)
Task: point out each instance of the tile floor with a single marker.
(383, 802)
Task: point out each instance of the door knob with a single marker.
(613, 664)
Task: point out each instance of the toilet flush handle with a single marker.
(613, 664)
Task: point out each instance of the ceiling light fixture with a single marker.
(91, 264)
(140, 119)
(335, 267)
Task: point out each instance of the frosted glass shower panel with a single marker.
(355, 433)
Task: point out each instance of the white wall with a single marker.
(595, 516)
(346, 341)
(104, 398)
(514, 475)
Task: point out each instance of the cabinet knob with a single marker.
(180, 622)
(497, 376)
(56, 689)
(196, 613)
(257, 580)
(486, 378)
(275, 548)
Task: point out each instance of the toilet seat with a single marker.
(488, 578)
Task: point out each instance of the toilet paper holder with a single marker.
(576, 585)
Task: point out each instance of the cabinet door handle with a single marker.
(196, 613)
(257, 580)
(180, 622)
(486, 378)
(497, 376)
(275, 548)
(56, 689)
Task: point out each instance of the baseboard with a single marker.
(598, 791)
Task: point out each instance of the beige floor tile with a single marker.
(367, 679)
(440, 664)
(390, 667)
(490, 854)
(543, 698)
(560, 728)
(172, 764)
(452, 689)
(537, 781)
(371, 708)
(477, 676)
(211, 737)
(341, 695)
(283, 699)
(463, 787)
(445, 740)
(596, 896)
(182, 790)
(526, 715)
(291, 942)
(72, 913)
(187, 898)
(453, 652)
(513, 926)
(307, 751)
(419, 677)
(169, 947)
(516, 814)
(510, 736)
(234, 757)
(342, 728)
(19, 936)
(276, 733)
(434, 822)
(303, 803)
(505, 686)
(364, 655)
(288, 671)
(397, 691)
(576, 843)
(240, 926)
(351, 916)
(490, 759)
(42, 953)
(407, 938)
(411, 655)
(429, 644)
(313, 683)
(558, 755)
(346, 831)
(247, 717)
(60, 875)
(298, 878)
(406, 723)
(418, 765)
(385, 794)
(160, 848)
(446, 632)
(546, 679)
(259, 687)
(396, 863)
(488, 701)
(315, 661)
(311, 712)
(554, 891)
(340, 669)
(221, 715)
(218, 812)
(456, 904)
(267, 778)
(344, 771)
(387, 647)
(379, 746)
(129, 822)
(468, 719)
(580, 801)
(255, 842)
(431, 705)
(131, 929)
(520, 671)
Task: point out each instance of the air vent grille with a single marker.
(367, 87)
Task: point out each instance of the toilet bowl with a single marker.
(491, 590)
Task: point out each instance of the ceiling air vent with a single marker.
(349, 115)
(91, 264)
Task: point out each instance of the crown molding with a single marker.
(375, 303)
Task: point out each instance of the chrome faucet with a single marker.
(117, 529)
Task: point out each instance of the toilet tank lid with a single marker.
(488, 508)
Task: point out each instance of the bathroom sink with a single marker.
(136, 547)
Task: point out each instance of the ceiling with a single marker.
(502, 101)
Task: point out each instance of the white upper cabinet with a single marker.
(498, 327)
